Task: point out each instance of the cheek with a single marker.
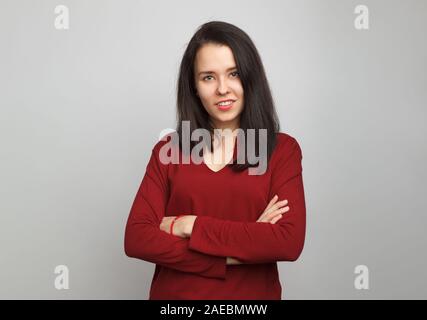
(238, 89)
(208, 97)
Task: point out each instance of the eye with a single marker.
(236, 73)
(206, 77)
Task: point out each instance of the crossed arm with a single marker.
(183, 226)
(183, 229)
(204, 244)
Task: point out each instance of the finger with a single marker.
(277, 212)
(272, 201)
(284, 209)
(271, 215)
(275, 219)
(277, 206)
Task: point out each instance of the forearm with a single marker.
(184, 228)
(254, 242)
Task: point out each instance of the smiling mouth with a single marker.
(225, 105)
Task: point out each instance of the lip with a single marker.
(225, 108)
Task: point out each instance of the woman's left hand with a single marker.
(182, 226)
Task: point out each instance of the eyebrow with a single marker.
(201, 72)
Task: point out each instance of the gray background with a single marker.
(82, 108)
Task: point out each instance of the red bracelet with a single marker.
(173, 221)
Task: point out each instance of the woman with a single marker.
(213, 230)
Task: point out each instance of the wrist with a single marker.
(175, 225)
(188, 225)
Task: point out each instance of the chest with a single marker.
(198, 189)
(217, 161)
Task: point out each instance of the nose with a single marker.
(222, 87)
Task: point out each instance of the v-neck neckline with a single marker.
(233, 158)
(213, 171)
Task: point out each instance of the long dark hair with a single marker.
(258, 111)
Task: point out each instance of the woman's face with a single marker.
(216, 80)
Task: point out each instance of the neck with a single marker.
(232, 125)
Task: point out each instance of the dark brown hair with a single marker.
(258, 112)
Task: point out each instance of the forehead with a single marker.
(214, 57)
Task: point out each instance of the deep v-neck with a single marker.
(223, 167)
(212, 170)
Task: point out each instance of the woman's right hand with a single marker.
(274, 211)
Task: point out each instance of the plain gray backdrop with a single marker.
(82, 108)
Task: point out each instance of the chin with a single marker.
(224, 117)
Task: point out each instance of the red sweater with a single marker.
(227, 205)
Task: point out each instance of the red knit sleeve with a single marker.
(257, 242)
(143, 237)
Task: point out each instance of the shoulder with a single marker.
(163, 140)
(166, 150)
(286, 142)
(287, 150)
